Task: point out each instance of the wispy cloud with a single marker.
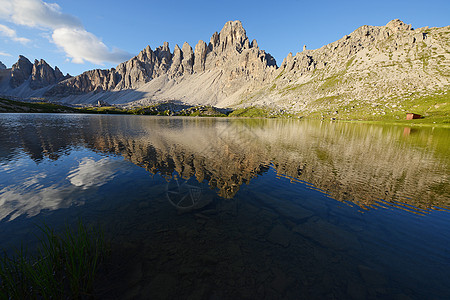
(12, 34)
(4, 54)
(68, 32)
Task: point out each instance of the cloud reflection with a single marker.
(23, 200)
(43, 191)
(93, 173)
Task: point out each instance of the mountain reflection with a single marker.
(355, 163)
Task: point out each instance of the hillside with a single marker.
(375, 71)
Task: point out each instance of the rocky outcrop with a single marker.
(200, 56)
(2, 66)
(39, 75)
(43, 75)
(229, 52)
(188, 59)
(20, 71)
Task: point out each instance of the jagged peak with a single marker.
(214, 41)
(23, 59)
(232, 26)
(164, 47)
(40, 62)
(200, 43)
(186, 47)
(232, 33)
(2, 66)
(397, 25)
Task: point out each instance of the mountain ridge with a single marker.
(371, 66)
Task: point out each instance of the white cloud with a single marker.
(11, 33)
(37, 13)
(81, 45)
(4, 54)
(6, 7)
(68, 31)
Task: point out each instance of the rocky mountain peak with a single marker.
(43, 74)
(229, 56)
(188, 58)
(232, 35)
(2, 66)
(145, 54)
(200, 56)
(397, 25)
(20, 71)
(214, 41)
(164, 54)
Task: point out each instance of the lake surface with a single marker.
(206, 208)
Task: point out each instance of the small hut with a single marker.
(410, 116)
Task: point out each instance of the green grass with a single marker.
(260, 112)
(331, 82)
(250, 112)
(102, 110)
(434, 109)
(7, 105)
(63, 268)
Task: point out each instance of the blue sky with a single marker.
(78, 35)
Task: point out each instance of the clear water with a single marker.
(203, 208)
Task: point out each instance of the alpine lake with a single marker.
(222, 208)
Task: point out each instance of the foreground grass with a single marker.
(63, 268)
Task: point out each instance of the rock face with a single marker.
(20, 71)
(2, 66)
(43, 75)
(229, 54)
(40, 74)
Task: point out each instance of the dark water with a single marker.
(237, 209)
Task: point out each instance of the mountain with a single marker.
(25, 79)
(2, 66)
(212, 73)
(374, 70)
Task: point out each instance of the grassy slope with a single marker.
(434, 109)
(11, 106)
(334, 88)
